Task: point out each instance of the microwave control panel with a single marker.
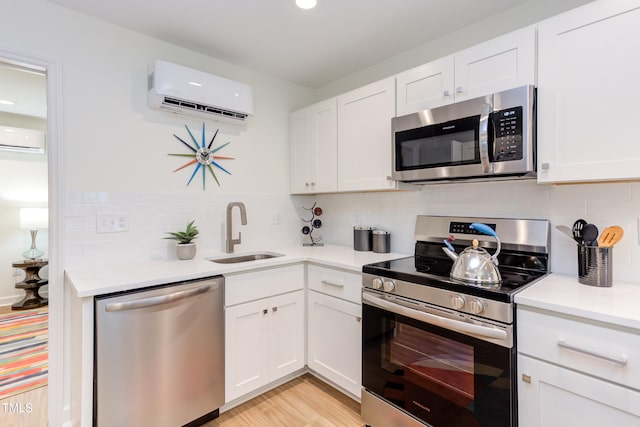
(507, 142)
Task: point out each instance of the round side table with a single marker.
(31, 284)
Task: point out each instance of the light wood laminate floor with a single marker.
(27, 409)
(303, 402)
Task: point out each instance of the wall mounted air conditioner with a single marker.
(21, 140)
(191, 92)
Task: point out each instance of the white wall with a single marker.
(114, 144)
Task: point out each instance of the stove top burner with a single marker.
(435, 272)
(523, 258)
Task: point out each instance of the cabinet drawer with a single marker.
(337, 283)
(243, 287)
(600, 350)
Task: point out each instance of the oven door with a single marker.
(435, 367)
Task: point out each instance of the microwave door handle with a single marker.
(484, 138)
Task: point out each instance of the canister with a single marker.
(381, 241)
(362, 238)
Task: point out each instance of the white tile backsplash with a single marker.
(602, 204)
(151, 214)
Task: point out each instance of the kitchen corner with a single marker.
(272, 294)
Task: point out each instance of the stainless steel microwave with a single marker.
(491, 137)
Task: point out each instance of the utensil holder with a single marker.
(595, 266)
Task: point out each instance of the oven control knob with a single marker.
(388, 285)
(376, 283)
(457, 302)
(476, 306)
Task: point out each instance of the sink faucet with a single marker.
(243, 218)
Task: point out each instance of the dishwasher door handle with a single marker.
(152, 301)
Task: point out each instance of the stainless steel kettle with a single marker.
(475, 265)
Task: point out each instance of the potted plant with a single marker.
(185, 248)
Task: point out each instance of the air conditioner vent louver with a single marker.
(204, 108)
(191, 92)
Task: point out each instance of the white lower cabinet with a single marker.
(334, 336)
(334, 321)
(265, 337)
(551, 396)
(264, 342)
(573, 371)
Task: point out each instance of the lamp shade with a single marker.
(34, 218)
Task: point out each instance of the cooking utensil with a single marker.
(565, 230)
(475, 265)
(610, 236)
(577, 230)
(590, 234)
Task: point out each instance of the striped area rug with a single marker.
(24, 359)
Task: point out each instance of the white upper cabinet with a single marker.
(588, 92)
(364, 137)
(427, 86)
(313, 148)
(502, 63)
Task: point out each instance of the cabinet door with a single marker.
(364, 137)
(334, 339)
(286, 334)
(313, 148)
(502, 63)
(427, 86)
(588, 68)
(551, 396)
(246, 348)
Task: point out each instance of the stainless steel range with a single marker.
(439, 351)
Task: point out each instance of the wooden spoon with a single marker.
(610, 236)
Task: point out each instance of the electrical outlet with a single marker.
(275, 217)
(112, 223)
(357, 217)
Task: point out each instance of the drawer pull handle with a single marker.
(526, 378)
(619, 360)
(337, 285)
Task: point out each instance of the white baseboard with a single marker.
(9, 300)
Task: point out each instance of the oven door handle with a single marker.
(455, 325)
(484, 138)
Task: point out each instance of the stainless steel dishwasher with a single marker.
(159, 355)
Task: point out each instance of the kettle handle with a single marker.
(485, 229)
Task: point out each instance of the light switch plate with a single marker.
(112, 223)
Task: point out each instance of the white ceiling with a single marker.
(308, 47)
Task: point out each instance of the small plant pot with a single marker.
(185, 250)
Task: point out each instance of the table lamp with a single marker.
(34, 219)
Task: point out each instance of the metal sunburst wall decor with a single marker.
(202, 156)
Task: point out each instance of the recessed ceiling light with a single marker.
(6, 102)
(306, 4)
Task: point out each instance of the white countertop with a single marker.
(92, 281)
(617, 304)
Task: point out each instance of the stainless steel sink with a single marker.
(256, 256)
